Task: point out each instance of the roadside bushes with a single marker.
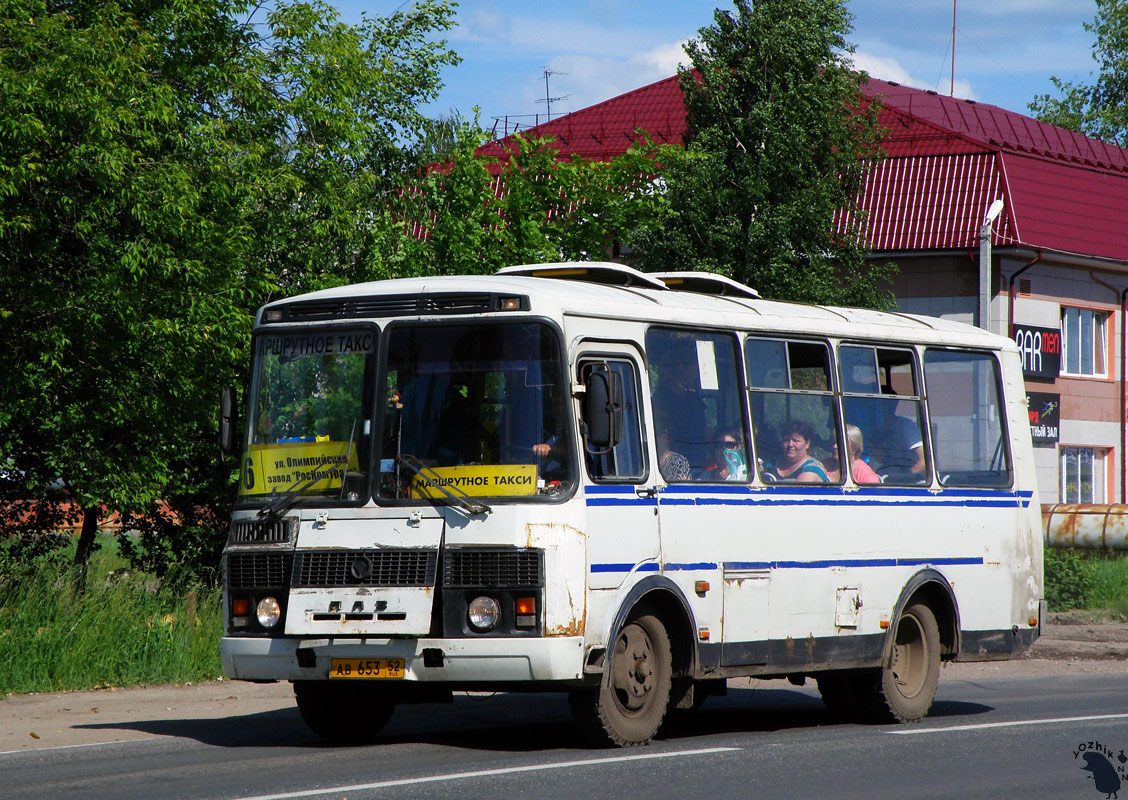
(1091, 580)
(124, 629)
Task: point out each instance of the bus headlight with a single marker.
(484, 613)
(269, 612)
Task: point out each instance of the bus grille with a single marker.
(258, 530)
(480, 568)
(365, 568)
(258, 570)
(390, 306)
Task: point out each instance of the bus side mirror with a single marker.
(603, 409)
(227, 421)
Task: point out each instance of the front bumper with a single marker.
(557, 658)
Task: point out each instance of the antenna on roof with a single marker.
(952, 85)
(548, 99)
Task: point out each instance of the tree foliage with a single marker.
(1099, 109)
(474, 215)
(777, 147)
(165, 167)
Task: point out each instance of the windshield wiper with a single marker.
(281, 503)
(461, 499)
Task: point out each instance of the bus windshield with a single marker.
(310, 425)
(474, 410)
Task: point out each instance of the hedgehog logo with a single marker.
(1103, 774)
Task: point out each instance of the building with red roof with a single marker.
(1058, 248)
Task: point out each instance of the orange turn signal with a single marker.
(526, 605)
(701, 587)
(240, 606)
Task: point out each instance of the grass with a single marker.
(1087, 580)
(125, 629)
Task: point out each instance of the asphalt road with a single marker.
(997, 737)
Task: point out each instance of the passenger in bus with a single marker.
(727, 463)
(862, 472)
(898, 446)
(679, 410)
(673, 465)
(550, 452)
(795, 463)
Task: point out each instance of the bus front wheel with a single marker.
(344, 713)
(904, 689)
(628, 707)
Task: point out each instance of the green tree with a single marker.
(475, 215)
(777, 147)
(1099, 109)
(165, 167)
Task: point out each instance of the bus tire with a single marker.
(628, 706)
(903, 690)
(344, 713)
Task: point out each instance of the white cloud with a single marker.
(889, 69)
(886, 69)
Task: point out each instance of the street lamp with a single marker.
(993, 212)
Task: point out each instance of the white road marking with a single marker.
(1014, 724)
(72, 746)
(455, 776)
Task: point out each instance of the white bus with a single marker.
(629, 487)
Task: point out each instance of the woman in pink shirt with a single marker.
(861, 471)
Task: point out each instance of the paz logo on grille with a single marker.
(361, 568)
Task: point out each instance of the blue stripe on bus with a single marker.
(774, 499)
(651, 566)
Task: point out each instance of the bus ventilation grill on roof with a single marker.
(393, 306)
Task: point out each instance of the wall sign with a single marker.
(1041, 351)
(1044, 411)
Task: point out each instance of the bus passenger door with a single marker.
(622, 510)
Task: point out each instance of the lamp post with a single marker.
(984, 319)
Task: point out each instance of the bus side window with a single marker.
(884, 415)
(696, 399)
(794, 419)
(623, 462)
(965, 411)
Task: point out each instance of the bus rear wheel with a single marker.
(904, 689)
(344, 713)
(628, 707)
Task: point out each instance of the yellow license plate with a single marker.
(366, 668)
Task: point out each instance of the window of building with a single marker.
(1083, 474)
(1084, 341)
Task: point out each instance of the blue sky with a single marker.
(1006, 50)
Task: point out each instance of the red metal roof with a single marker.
(994, 127)
(608, 129)
(947, 160)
